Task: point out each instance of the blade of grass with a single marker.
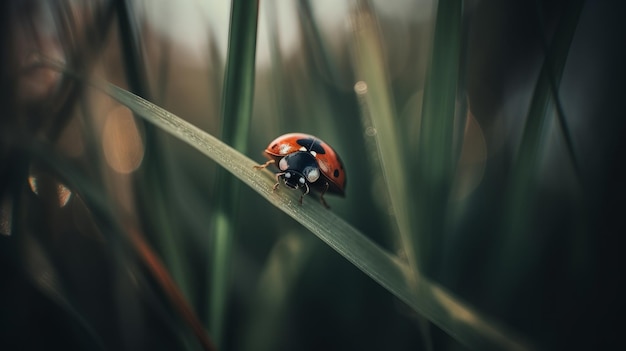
(158, 270)
(436, 146)
(277, 76)
(321, 53)
(514, 254)
(289, 256)
(377, 109)
(152, 196)
(560, 113)
(424, 296)
(237, 100)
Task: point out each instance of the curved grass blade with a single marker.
(424, 296)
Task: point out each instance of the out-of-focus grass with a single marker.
(521, 193)
(436, 156)
(152, 196)
(382, 137)
(378, 112)
(130, 246)
(275, 288)
(237, 100)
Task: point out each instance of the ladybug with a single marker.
(304, 162)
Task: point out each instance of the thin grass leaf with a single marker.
(424, 296)
(237, 102)
(513, 257)
(374, 92)
(560, 113)
(175, 295)
(321, 53)
(436, 146)
(238, 92)
(151, 176)
(165, 66)
(277, 282)
(277, 62)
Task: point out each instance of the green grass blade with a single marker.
(153, 173)
(377, 109)
(424, 296)
(288, 258)
(277, 63)
(320, 52)
(237, 103)
(436, 146)
(239, 77)
(513, 258)
(382, 137)
(556, 76)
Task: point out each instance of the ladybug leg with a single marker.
(322, 200)
(304, 193)
(277, 180)
(264, 165)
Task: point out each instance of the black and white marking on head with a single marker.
(300, 167)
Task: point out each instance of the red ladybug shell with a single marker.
(327, 159)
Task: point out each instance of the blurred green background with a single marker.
(485, 148)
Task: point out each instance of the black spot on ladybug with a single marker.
(273, 146)
(312, 145)
(336, 173)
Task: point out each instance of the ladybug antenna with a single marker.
(312, 143)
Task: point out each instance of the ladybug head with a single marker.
(299, 169)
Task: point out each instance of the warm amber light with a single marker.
(122, 145)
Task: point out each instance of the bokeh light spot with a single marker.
(121, 143)
(360, 87)
(63, 193)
